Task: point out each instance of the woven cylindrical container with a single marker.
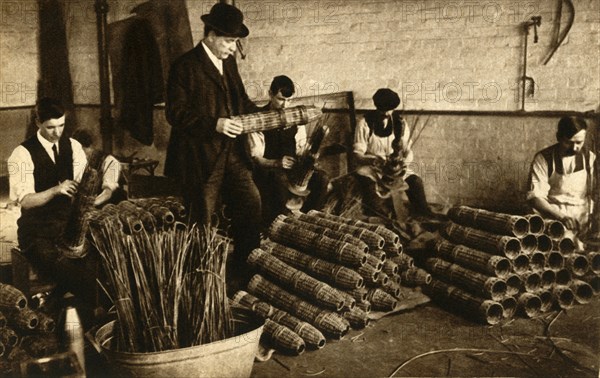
(477, 283)
(554, 260)
(369, 274)
(529, 305)
(544, 243)
(390, 237)
(555, 229)
(374, 262)
(373, 240)
(577, 264)
(337, 235)
(536, 224)
(11, 298)
(392, 288)
(537, 261)
(562, 277)
(548, 277)
(277, 119)
(509, 307)
(563, 295)
(25, 319)
(480, 309)
(594, 281)
(415, 277)
(496, 244)
(337, 275)
(547, 300)
(349, 300)
(302, 284)
(582, 290)
(404, 262)
(284, 338)
(498, 223)
(513, 284)
(9, 337)
(358, 318)
(46, 323)
(594, 258)
(2, 320)
(390, 268)
(360, 295)
(306, 331)
(565, 245)
(482, 262)
(326, 321)
(365, 306)
(381, 301)
(529, 244)
(520, 264)
(379, 254)
(322, 246)
(532, 282)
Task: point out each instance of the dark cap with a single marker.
(386, 99)
(226, 19)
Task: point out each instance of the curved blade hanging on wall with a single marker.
(558, 36)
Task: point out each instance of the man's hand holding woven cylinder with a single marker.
(229, 127)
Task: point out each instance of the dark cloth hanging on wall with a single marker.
(55, 74)
(137, 79)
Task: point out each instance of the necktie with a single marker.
(55, 151)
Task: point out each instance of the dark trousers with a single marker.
(374, 205)
(232, 182)
(77, 276)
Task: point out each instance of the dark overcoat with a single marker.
(196, 99)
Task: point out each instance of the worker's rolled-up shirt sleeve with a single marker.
(111, 169)
(538, 179)
(79, 160)
(256, 144)
(361, 138)
(20, 174)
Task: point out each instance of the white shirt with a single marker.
(256, 142)
(213, 58)
(20, 167)
(367, 143)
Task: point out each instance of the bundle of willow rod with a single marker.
(496, 244)
(277, 119)
(337, 235)
(488, 287)
(334, 274)
(168, 287)
(482, 262)
(304, 167)
(320, 245)
(284, 338)
(11, 298)
(302, 284)
(72, 242)
(488, 311)
(490, 221)
(306, 331)
(373, 240)
(391, 239)
(326, 321)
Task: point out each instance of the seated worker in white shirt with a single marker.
(106, 165)
(273, 152)
(373, 145)
(44, 174)
(560, 180)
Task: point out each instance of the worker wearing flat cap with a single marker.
(560, 179)
(374, 139)
(207, 148)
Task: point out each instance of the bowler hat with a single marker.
(226, 19)
(386, 99)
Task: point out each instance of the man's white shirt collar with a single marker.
(47, 145)
(216, 61)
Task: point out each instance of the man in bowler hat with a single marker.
(206, 150)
